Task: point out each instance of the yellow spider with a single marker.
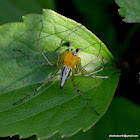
(67, 61)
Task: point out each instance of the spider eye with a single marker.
(78, 50)
(69, 44)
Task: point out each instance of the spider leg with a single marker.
(105, 77)
(96, 70)
(84, 73)
(70, 45)
(36, 90)
(62, 42)
(48, 62)
(75, 86)
(93, 76)
(82, 68)
(30, 57)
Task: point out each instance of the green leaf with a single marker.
(130, 10)
(115, 121)
(53, 110)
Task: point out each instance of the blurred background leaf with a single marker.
(130, 10)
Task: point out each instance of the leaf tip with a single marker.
(124, 20)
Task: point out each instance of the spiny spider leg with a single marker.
(40, 48)
(33, 92)
(93, 76)
(75, 86)
(62, 42)
(86, 75)
(41, 63)
(48, 63)
(82, 68)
